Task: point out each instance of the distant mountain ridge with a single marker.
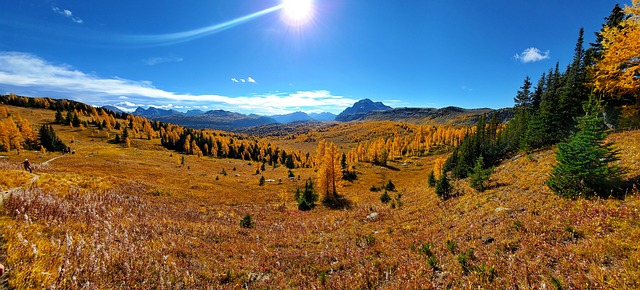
(363, 110)
(302, 116)
(367, 110)
(360, 110)
(445, 116)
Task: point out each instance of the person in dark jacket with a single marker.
(27, 165)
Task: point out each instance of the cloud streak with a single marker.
(531, 54)
(68, 14)
(29, 72)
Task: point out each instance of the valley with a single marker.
(110, 216)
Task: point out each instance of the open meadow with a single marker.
(108, 216)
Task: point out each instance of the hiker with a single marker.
(27, 165)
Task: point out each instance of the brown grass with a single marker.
(113, 217)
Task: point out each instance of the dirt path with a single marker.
(4, 284)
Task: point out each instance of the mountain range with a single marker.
(363, 110)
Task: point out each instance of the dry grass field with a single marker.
(108, 217)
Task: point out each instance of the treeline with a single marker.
(125, 127)
(415, 141)
(549, 113)
(222, 145)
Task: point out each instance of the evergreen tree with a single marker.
(262, 180)
(443, 187)
(125, 134)
(479, 175)
(574, 91)
(307, 199)
(59, 117)
(49, 139)
(523, 99)
(585, 161)
(594, 52)
(523, 108)
(75, 122)
(68, 118)
(431, 179)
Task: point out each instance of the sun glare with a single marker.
(297, 12)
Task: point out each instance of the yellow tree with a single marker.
(27, 132)
(618, 72)
(15, 138)
(329, 171)
(4, 137)
(437, 167)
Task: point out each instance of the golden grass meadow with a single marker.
(110, 216)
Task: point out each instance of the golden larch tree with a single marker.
(329, 171)
(618, 72)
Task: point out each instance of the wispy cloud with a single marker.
(23, 71)
(68, 14)
(160, 60)
(531, 54)
(251, 80)
(234, 80)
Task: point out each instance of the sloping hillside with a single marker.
(451, 116)
(109, 216)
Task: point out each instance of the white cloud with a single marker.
(68, 14)
(129, 104)
(31, 73)
(159, 60)
(531, 54)
(247, 80)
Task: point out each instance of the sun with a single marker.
(297, 12)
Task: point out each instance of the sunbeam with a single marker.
(184, 36)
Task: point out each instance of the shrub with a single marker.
(349, 175)
(246, 222)
(385, 198)
(451, 246)
(390, 186)
(262, 180)
(425, 249)
(464, 259)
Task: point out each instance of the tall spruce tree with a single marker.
(573, 91)
(584, 165)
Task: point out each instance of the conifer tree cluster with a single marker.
(49, 139)
(585, 159)
(552, 112)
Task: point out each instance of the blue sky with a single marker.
(249, 56)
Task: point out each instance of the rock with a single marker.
(372, 215)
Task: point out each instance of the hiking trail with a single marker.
(34, 177)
